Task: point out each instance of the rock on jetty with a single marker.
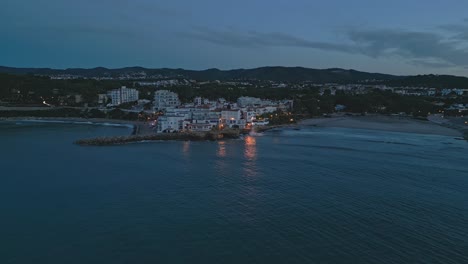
(184, 136)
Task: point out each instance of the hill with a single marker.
(278, 74)
(286, 74)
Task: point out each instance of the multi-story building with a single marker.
(265, 110)
(123, 95)
(200, 126)
(211, 117)
(198, 101)
(246, 101)
(232, 118)
(249, 114)
(170, 123)
(164, 99)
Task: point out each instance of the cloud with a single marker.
(457, 32)
(446, 46)
(255, 39)
(425, 48)
(78, 30)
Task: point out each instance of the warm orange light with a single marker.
(250, 151)
(221, 149)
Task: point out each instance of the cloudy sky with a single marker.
(398, 36)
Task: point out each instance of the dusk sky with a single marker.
(398, 37)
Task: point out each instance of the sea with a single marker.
(307, 195)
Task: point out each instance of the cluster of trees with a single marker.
(31, 89)
(431, 80)
(214, 91)
(376, 101)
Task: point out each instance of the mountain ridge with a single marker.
(273, 73)
(268, 73)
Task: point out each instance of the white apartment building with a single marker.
(170, 123)
(232, 118)
(123, 95)
(198, 127)
(249, 114)
(248, 101)
(198, 101)
(265, 110)
(164, 99)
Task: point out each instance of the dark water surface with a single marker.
(309, 196)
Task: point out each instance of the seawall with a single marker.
(189, 136)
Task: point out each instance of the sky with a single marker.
(401, 37)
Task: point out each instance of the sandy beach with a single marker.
(384, 123)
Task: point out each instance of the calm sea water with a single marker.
(289, 196)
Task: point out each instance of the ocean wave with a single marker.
(391, 142)
(22, 122)
(325, 147)
(115, 125)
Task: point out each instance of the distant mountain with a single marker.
(287, 74)
(278, 74)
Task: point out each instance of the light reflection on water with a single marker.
(250, 151)
(221, 149)
(221, 163)
(186, 148)
(250, 154)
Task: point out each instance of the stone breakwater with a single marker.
(192, 136)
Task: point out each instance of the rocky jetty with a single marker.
(185, 136)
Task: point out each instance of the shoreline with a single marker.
(385, 123)
(141, 132)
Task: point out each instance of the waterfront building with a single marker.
(211, 117)
(170, 123)
(232, 118)
(249, 114)
(199, 126)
